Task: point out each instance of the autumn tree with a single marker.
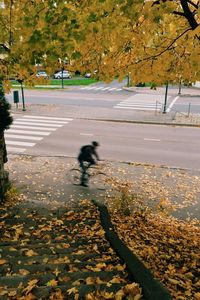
(153, 40)
(5, 122)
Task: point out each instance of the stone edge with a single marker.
(152, 288)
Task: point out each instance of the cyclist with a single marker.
(87, 154)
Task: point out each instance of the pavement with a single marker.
(45, 180)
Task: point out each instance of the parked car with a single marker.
(65, 74)
(88, 75)
(42, 74)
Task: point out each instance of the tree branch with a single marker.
(188, 14)
(179, 13)
(165, 50)
(193, 4)
(4, 47)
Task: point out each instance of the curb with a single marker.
(152, 288)
(126, 121)
(144, 122)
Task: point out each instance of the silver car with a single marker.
(42, 74)
(62, 74)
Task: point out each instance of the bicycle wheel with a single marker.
(99, 181)
(74, 176)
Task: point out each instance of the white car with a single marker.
(62, 74)
(88, 75)
(42, 74)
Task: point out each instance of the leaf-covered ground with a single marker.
(59, 254)
(169, 248)
(144, 202)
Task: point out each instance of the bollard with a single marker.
(189, 109)
(16, 98)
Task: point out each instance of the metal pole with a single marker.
(165, 103)
(189, 109)
(62, 79)
(179, 90)
(23, 103)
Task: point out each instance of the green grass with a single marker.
(58, 82)
(73, 81)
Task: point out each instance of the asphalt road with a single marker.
(111, 96)
(160, 145)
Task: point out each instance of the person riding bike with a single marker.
(87, 154)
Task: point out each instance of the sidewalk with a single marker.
(45, 181)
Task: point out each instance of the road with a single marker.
(114, 96)
(165, 145)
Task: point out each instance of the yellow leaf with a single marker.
(3, 261)
(52, 282)
(72, 291)
(3, 292)
(12, 249)
(197, 296)
(174, 281)
(115, 280)
(90, 280)
(79, 252)
(57, 295)
(31, 253)
(23, 272)
(56, 272)
(31, 284)
(12, 293)
(120, 268)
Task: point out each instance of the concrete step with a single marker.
(50, 250)
(44, 292)
(50, 267)
(15, 280)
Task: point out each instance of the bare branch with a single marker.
(193, 4)
(189, 15)
(179, 13)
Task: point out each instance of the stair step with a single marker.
(34, 243)
(15, 280)
(49, 250)
(44, 292)
(52, 258)
(20, 269)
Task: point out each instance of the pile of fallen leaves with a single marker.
(72, 253)
(167, 246)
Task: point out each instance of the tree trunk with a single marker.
(4, 178)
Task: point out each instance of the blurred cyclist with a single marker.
(87, 154)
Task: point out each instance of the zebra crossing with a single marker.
(142, 102)
(101, 88)
(27, 130)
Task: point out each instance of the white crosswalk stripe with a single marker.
(142, 102)
(101, 88)
(40, 124)
(33, 127)
(48, 118)
(26, 131)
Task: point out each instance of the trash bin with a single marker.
(16, 96)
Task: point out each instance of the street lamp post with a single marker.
(62, 77)
(165, 103)
(22, 89)
(179, 89)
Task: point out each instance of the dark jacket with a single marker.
(87, 152)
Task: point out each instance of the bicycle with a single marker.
(93, 176)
